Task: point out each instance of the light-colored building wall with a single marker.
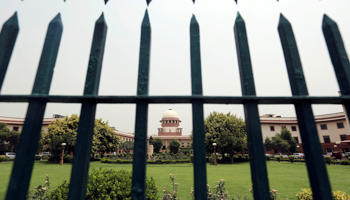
(15, 123)
(330, 127)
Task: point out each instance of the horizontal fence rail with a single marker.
(23, 165)
(344, 99)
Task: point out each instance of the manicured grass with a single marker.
(285, 177)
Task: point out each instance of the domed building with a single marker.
(170, 124)
(170, 128)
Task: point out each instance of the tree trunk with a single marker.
(231, 157)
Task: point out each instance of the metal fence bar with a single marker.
(313, 153)
(251, 112)
(338, 56)
(28, 144)
(81, 160)
(140, 150)
(178, 99)
(199, 160)
(8, 38)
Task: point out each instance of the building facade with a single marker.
(170, 128)
(16, 124)
(333, 130)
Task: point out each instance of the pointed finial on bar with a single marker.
(8, 37)
(194, 1)
(101, 19)
(106, 2)
(57, 20)
(13, 21)
(148, 2)
(283, 21)
(145, 21)
(327, 21)
(48, 57)
(193, 20)
(239, 17)
(236, 1)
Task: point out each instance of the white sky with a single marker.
(170, 56)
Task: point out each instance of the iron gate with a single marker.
(23, 165)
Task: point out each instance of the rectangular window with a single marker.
(323, 126)
(188, 144)
(326, 139)
(294, 128)
(342, 137)
(340, 125)
(182, 145)
(163, 147)
(272, 128)
(345, 150)
(16, 128)
(329, 150)
(296, 139)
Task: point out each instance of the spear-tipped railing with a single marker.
(23, 165)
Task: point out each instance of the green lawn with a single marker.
(287, 178)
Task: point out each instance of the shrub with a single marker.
(37, 157)
(306, 194)
(211, 159)
(3, 158)
(328, 160)
(40, 192)
(278, 158)
(268, 158)
(344, 162)
(291, 159)
(107, 184)
(70, 159)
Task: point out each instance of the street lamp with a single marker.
(215, 163)
(341, 153)
(63, 145)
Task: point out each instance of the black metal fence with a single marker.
(23, 165)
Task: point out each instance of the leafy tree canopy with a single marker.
(174, 145)
(284, 142)
(157, 144)
(11, 138)
(268, 144)
(228, 131)
(127, 145)
(65, 130)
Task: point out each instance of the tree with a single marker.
(65, 130)
(280, 144)
(127, 146)
(174, 145)
(287, 136)
(231, 144)
(268, 144)
(228, 131)
(8, 139)
(284, 142)
(157, 144)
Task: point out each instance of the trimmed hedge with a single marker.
(327, 160)
(5, 159)
(159, 161)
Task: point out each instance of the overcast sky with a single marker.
(170, 56)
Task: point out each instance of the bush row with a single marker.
(159, 161)
(327, 160)
(5, 159)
